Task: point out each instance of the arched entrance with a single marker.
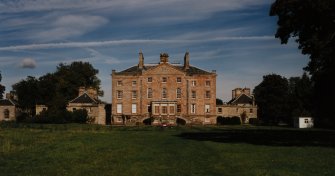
(180, 121)
(147, 121)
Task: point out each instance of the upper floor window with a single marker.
(194, 94)
(134, 83)
(178, 107)
(219, 110)
(194, 83)
(164, 79)
(208, 83)
(134, 94)
(178, 79)
(251, 110)
(119, 94)
(164, 93)
(119, 83)
(149, 79)
(178, 93)
(208, 94)
(149, 93)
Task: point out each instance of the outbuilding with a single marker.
(303, 122)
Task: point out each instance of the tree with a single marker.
(2, 88)
(271, 96)
(311, 23)
(27, 92)
(300, 96)
(219, 101)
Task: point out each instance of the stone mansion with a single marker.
(164, 92)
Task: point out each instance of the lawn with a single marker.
(33, 149)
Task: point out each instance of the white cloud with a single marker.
(71, 26)
(125, 42)
(28, 63)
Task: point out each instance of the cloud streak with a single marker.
(124, 42)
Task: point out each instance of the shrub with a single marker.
(228, 120)
(79, 116)
(253, 121)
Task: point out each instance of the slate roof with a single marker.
(6, 102)
(242, 99)
(134, 70)
(84, 98)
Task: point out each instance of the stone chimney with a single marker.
(246, 91)
(164, 57)
(82, 90)
(92, 92)
(140, 60)
(187, 61)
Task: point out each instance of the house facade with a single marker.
(164, 93)
(88, 99)
(8, 109)
(241, 105)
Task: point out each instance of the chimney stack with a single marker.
(187, 61)
(141, 60)
(164, 57)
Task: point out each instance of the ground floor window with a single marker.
(133, 108)
(193, 108)
(207, 108)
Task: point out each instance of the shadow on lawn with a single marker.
(322, 138)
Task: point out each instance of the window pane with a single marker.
(133, 108)
(119, 108)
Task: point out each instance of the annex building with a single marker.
(164, 93)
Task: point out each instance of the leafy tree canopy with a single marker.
(56, 89)
(312, 24)
(271, 95)
(219, 101)
(2, 88)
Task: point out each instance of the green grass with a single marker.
(33, 149)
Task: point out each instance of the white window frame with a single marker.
(164, 93)
(119, 108)
(133, 108)
(178, 94)
(193, 94)
(149, 80)
(207, 83)
(149, 92)
(193, 108)
(134, 94)
(178, 80)
(194, 83)
(134, 83)
(207, 108)
(119, 94)
(208, 96)
(119, 83)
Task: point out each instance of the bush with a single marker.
(253, 121)
(79, 116)
(228, 120)
(59, 116)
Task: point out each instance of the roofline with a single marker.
(82, 95)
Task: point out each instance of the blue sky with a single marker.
(235, 38)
